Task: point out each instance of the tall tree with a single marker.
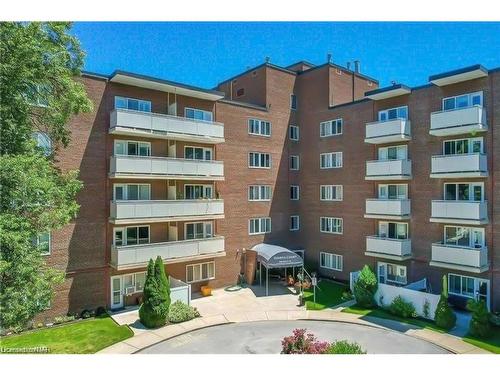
(39, 95)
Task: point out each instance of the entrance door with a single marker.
(116, 292)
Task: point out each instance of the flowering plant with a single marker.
(302, 343)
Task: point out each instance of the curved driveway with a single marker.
(264, 337)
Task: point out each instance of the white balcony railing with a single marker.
(460, 257)
(149, 166)
(380, 208)
(466, 212)
(388, 247)
(125, 121)
(458, 121)
(388, 170)
(123, 257)
(396, 130)
(136, 211)
(458, 166)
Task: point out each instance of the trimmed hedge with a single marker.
(180, 312)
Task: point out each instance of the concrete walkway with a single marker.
(243, 306)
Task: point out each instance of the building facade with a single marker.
(317, 159)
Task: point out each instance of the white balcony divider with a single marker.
(388, 246)
(387, 131)
(459, 210)
(128, 256)
(388, 207)
(387, 169)
(462, 165)
(165, 208)
(161, 123)
(458, 121)
(161, 166)
(460, 255)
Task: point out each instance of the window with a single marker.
(43, 142)
(293, 131)
(200, 272)
(331, 225)
(294, 222)
(259, 160)
(464, 236)
(393, 153)
(294, 192)
(397, 231)
(133, 104)
(197, 153)
(259, 225)
(331, 261)
(293, 101)
(131, 235)
(392, 273)
(464, 192)
(259, 193)
(198, 114)
(330, 192)
(331, 160)
(294, 162)
(198, 230)
(240, 92)
(132, 192)
(132, 148)
(259, 127)
(463, 146)
(393, 114)
(463, 101)
(393, 191)
(42, 242)
(37, 95)
(198, 191)
(134, 282)
(330, 128)
(469, 287)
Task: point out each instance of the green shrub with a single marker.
(400, 307)
(347, 295)
(180, 312)
(444, 315)
(365, 288)
(344, 347)
(85, 314)
(480, 321)
(427, 309)
(101, 311)
(153, 312)
(495, 319)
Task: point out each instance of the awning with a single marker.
(272, 256)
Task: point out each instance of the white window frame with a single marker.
(385, 112)
(262, 160)
(261, 127)
(204, 111)
(260, 220)
(297, 220)
(124, 230)
(134, 282)
(294, 132)
(206, 233)
(471, 191)
(204, 187)
(292, 97)
(469, 96)
(470, 142)
(43, 142)
(204, 149)
(144, 102)
(38, 242)
(401, 152)
(126, 143)
(381, 225)
(297, 162)
(294, 192)
(330, 128)
(383, 279)
(261, 190)
(200, 266)
(333, 262)
(332, 222)
(328, 157)
(472, 236)
(381, 187)
(477, 281)
(328, 193)
(125, 191)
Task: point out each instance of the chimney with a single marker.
(268, 59)
(329, 58)
(348, 65)
(356, 66)
(394, 83)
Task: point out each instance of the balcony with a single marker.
(155, 125)
(397, 130)
(133, 256)
(165, 210)
(388, 170)
(460, 258)
(459, 212)
(458, 121)
(165, 168)
(459, 166)
(388, 248)
(396, 209)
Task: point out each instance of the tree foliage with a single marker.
(479, 325)
(444, 315)
(153, 312)
(366, 287)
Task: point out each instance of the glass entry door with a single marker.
(116, 292)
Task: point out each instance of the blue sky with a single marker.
(203, 54)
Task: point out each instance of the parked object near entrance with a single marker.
(444, 315)
(153, 312)
(365, 288)
(206, 291)
(480, 322)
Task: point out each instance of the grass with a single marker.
(82, 337)
(328, 294)
(491, 344)
(381, 313)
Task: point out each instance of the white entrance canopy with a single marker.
(272, 256)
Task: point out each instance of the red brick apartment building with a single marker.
(313, 158)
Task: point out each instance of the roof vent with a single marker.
(357, 66)
(268, 59)
(329, 58)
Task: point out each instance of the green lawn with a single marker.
(491, 344)
(82, 337)
(328, 294)
(380, 313)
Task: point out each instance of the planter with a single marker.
(206, 291)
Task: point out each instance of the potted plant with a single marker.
(206, 291)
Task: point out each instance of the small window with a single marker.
(240, 92)
(132, 104)
(331, 225)
(197, 153)
(331, 261)
(338, 71)
(294, 192)
(294, 132)
(259, 193)
(331, 160)
(294, 223)
(43, 142)
(293, 101)
(43, 243)
(198, 114)
(198, 191)
(200, 272)
(294, 162)
(259, 225)
(259, 127)
(331, 192)
(259, 160)
(330, 128)
(393, 114)
(369, 83)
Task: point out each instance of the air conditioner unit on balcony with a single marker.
(129, 290)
